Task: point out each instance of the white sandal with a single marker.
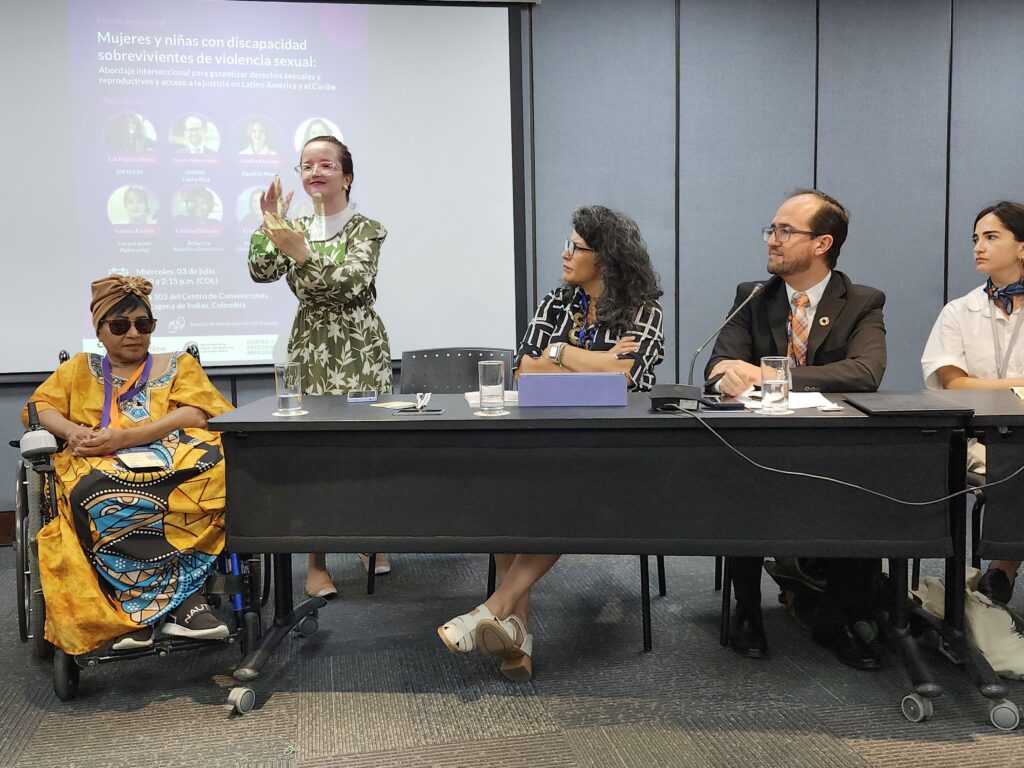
(459, 634)
(504, 637)
(519, 670)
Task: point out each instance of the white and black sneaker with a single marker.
(194, 619)
(140, 638)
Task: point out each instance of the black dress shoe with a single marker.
(996, 586)
(746, 636)
(847, 647)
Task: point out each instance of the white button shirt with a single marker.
(962, 337)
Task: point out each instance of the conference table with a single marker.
(349, 477)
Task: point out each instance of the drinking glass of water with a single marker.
(775, 382)
(492, 388)
(288, 385)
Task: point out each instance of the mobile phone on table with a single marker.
(720, 403)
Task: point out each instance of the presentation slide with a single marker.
(181, 113)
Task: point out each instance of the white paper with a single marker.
(511, 398)
(797, 400)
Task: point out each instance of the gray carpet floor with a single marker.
(376, 687)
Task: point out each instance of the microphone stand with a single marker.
(758, 287)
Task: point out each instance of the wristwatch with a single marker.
(555, 353)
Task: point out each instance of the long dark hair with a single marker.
(1010, 213)
(621, 254)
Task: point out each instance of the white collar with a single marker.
(336, 222)
(978, 301)
(814, 293)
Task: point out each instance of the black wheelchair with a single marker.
(238, 588)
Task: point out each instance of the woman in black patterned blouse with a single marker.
(604, 318)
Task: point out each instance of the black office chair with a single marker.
(447, 370)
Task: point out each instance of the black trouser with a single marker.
(851, 589)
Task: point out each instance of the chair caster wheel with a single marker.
(242, 699)
(1004, 714)
(65, 675)
(916, 708)
(309, 625)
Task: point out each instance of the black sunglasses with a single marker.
(119, 326)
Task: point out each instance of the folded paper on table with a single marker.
(797, 400)
(511, 398)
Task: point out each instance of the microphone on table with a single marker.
(758, 287)
(686, 397)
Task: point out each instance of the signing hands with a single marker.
(272, 201)
(737, 376)
(83, 441)
(288, 240)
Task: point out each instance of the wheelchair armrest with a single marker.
(37, 444)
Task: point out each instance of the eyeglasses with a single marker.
(326, 168)
(782, 234)
(571, 246)
(119, 326)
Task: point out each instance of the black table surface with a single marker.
(350, 477)
(332, 412)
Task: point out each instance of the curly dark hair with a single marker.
(621, 254)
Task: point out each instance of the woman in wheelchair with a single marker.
(138, 519)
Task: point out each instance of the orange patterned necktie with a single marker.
(798, 328)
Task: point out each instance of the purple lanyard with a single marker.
(108, 388)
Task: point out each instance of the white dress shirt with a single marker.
(962, 337)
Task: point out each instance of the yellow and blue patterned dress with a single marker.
(128, 546)
(337, 335)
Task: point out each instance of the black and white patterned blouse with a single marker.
(561, 316)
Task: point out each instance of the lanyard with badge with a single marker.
(1003, 358)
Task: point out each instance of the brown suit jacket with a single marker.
(845, 347)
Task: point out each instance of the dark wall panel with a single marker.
(987, 137)
(882, 152)
(746, 137)
(604, 98)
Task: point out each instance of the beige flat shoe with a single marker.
(319, 584)
(381, 566)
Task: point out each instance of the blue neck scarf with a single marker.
(1005, 294)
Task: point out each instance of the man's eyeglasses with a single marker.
(326, 168)
(782, 234)
(572, 247)
(119, 326)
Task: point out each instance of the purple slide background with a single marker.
(201, 263)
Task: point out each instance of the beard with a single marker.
(784, 267)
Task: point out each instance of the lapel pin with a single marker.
(823, 322)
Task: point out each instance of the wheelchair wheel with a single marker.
(65, 675)
(27, 523)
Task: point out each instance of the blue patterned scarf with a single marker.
(1005, 294)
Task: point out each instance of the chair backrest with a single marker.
(448, 370)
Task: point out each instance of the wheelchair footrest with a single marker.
(224, 584)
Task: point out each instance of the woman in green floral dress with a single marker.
(330, 263)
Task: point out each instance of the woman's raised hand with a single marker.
(272, 201)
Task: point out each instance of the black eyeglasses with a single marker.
(119, 326)
(571, 246)
(782, 234)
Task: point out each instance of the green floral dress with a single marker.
(337, 336)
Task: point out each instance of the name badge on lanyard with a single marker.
(1003, 357)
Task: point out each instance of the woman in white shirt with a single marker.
(977, 342)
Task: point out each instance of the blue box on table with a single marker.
(572, 389)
